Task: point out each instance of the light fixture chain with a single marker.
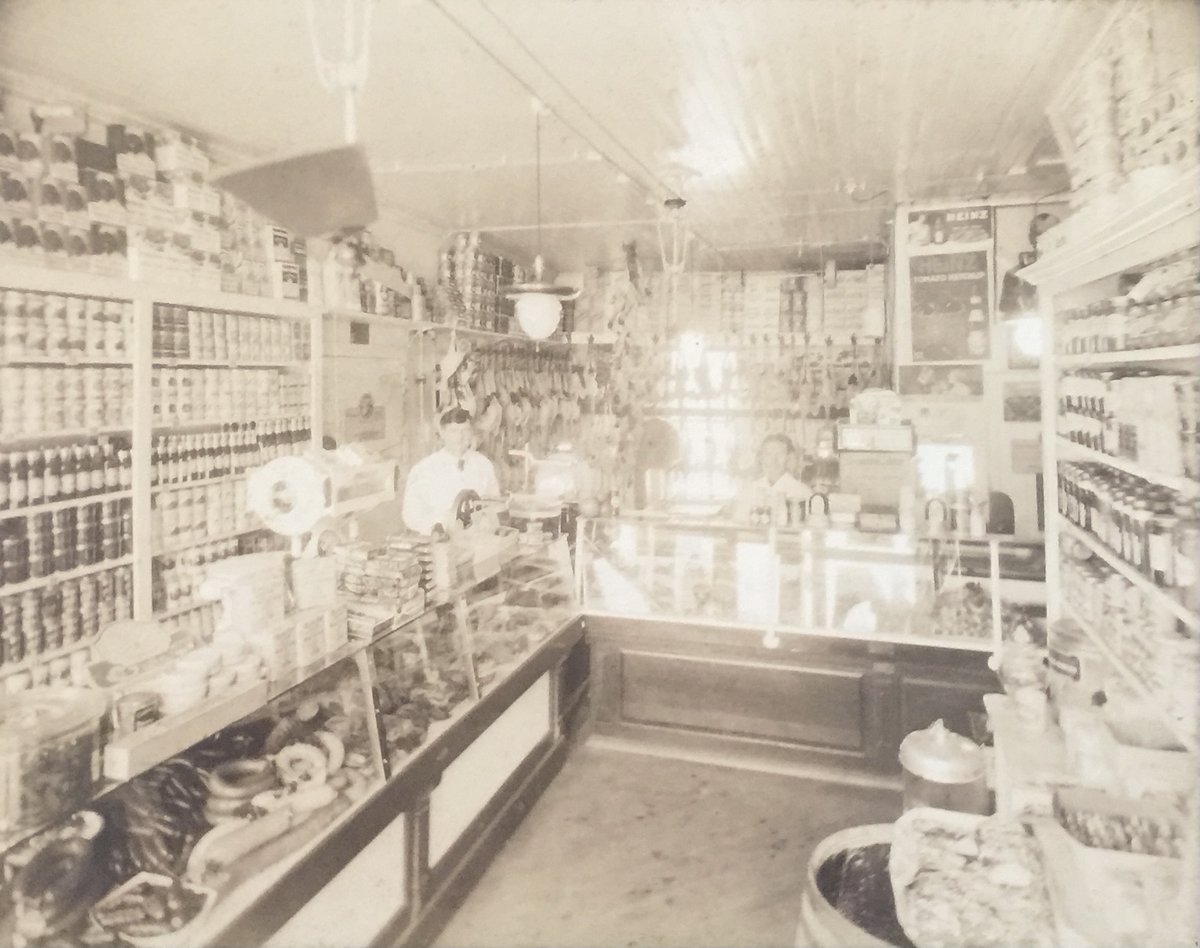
(537, 138)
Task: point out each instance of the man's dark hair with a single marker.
(455, 416)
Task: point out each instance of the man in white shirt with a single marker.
(436, 480)
(775, 488)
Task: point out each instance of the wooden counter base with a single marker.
(822, 706)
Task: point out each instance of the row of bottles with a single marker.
(181, 332)
(52, 325)
(1162, 309)
(38, 400)
(237, 447)
(1142, 416)
(182, 396)
(65, 539)
(1152, 528)
(66, 472)
(38, 621)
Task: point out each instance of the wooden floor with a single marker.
(631, 850)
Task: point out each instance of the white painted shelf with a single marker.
(1184, 485)
(171, 363)
(63, 504)
(1152, 696)
(67, 360)
(1183, 353)
(77, 283)
(1164, 596)
(40, 581)
(217, 538)
(1134, 229)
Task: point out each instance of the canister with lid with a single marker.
(943, 769)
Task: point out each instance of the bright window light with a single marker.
(941, 467)
(1026, 335)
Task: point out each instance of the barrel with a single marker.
(834, 893)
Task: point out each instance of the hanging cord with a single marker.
(350, 74)
(537, 149)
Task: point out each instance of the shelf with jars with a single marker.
(1119, 290)
(143, 396)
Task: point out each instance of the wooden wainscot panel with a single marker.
(803, 706)
(926, 696)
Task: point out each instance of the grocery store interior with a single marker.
(599, 473)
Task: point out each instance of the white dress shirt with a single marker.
(436, 480)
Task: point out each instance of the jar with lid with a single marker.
(943, 769)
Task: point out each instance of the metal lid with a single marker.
(940, 755)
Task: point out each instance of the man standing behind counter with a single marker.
(436, 480)
(775, 488)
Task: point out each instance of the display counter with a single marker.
(415, 755)
(816, 649)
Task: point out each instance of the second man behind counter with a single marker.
(435, 481)
(767, 499)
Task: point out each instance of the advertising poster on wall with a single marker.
(952, 229)
(950, 301)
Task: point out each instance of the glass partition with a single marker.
(947, 591)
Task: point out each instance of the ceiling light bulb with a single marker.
(538, 314)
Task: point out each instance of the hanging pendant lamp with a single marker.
(538, 303)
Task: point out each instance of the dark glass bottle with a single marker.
(68, 486)
(36, 478)
(52, 490)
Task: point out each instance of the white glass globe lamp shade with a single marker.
(538, 314)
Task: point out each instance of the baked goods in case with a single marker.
(962, 880)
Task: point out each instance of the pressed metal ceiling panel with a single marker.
(785, 123)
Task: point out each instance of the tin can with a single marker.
(134, 710)
(114, 329)
(94, 335)
(56, 325)
(35, 324)
(12, 323)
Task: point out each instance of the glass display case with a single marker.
(948, 591)
(221, 843)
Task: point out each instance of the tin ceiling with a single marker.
(788, 125)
